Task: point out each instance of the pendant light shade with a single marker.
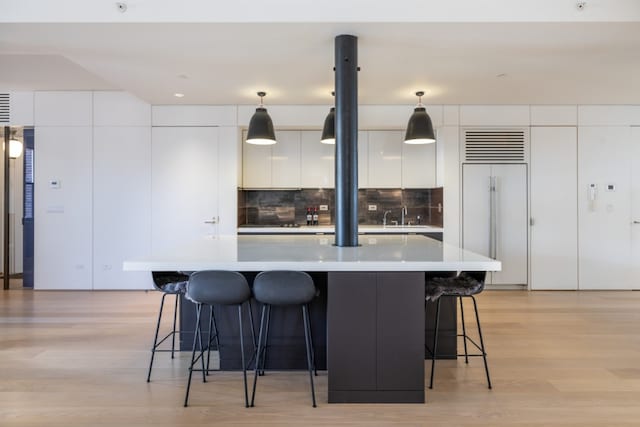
(261, 127)
(329, 128)
(419, 128)
(15, 145)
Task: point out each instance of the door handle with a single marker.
(636, 222)
(213, 220)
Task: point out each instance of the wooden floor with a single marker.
(556, 359)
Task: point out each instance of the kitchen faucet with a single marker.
(384, 218)
(404, 212)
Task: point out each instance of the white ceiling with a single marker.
(226, 63)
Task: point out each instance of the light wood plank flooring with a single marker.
(556, 359)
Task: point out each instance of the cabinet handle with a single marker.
(636, 222)
(213, 220)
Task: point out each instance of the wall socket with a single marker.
(324, 207)
(373, 207)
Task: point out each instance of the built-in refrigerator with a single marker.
(495, 218)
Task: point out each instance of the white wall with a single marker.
(99, 217)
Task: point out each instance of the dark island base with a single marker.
(375, 335)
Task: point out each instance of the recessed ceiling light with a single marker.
(178, 95)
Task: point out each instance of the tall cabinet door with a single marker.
(554, 208)
(635, 204)
(476, 203)
(184, 184)
(604, 208)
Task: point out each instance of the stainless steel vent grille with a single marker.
(495, 146)
(4, 108)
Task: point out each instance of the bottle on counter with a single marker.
(309, 217)
(315, 216)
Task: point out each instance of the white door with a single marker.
(554, 208)
(494, 218)
(184, 185)
(635, 205)
(604, 207)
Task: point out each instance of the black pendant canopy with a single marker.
(419, 128)
(261, 127)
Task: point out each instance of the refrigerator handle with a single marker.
(492, 223)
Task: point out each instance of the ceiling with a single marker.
(226, 63)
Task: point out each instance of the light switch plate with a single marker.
(324, 207)
(373, 207)
(54, 183)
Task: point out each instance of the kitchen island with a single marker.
(375, 299)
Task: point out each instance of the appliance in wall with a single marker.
(495, 200)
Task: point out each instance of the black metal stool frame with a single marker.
(197, 341)
(464, 336)
(261, 351)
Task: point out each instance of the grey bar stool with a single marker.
(169, 283)
(465, 285)
(284, 288)
(216, 287)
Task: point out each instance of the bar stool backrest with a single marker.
(284, 287)
(218, 287)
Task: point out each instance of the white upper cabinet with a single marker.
(418, 165)
(385, 159)
(272, 166)
(120, 109)
(317, 163)
(363, 159)
(285, 160)
(63, 109)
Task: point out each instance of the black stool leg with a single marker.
(464, 332)
(202, 349)
(173, 331)
(258, 353)
(193, 353)
(265, 349)
(155, 339)
(213, 326)
(313, 351)
(435, 343)
(244, 366)
(307, 339)
(484, 353)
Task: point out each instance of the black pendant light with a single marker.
(420, 128)
(329, 128)
(261, 127)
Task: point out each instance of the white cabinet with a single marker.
(184, 185)
(554, 208)
(363, 159)
(317, 161)
(285, 160)
(385, 159)
(494, 218)
(272, 166)
(62, 207)
(63, 108)
(418, 165)
(635, 203)
(121, 204)
(604, 208)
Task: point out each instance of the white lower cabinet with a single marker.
(554, 208)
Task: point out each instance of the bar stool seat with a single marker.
(282, 287)
(169, 283)
(465, 285)
(217, 287)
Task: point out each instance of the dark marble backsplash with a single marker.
(280, 207)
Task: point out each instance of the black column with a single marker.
(346, 57)
(5, 264)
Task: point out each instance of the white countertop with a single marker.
(362, 229)
(315, 253)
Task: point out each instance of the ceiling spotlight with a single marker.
(178, 95)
